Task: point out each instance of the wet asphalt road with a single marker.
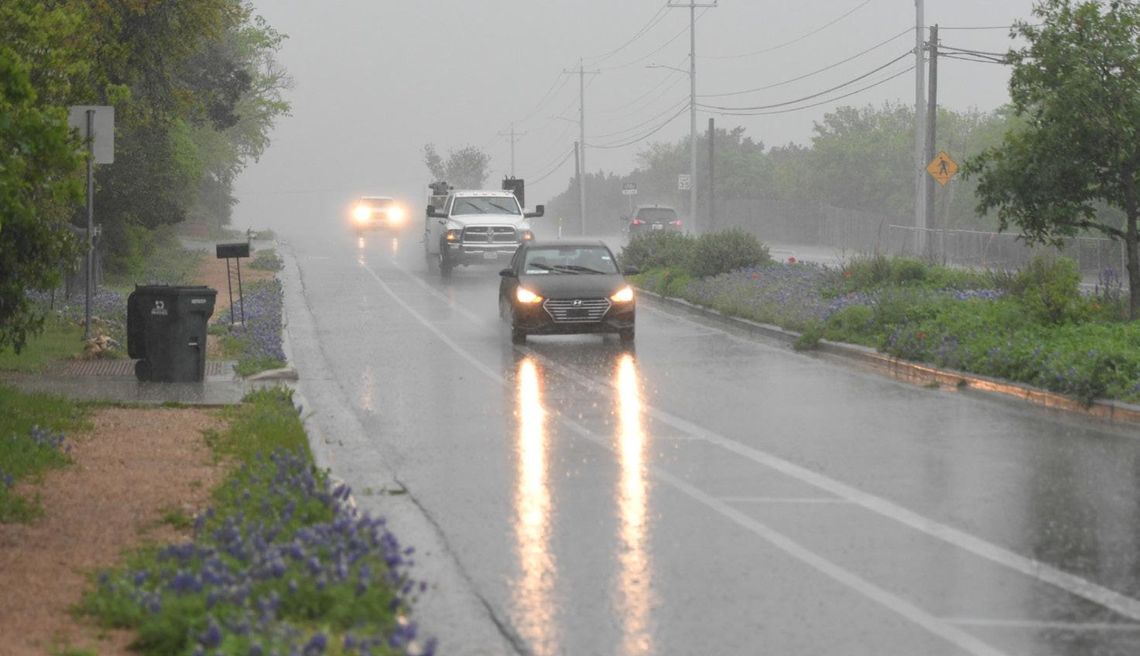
(709, 494)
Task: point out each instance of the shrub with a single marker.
(1049, 288)
(658, 250)
(724, 252)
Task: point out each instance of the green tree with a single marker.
(465, 168)
(38, 162)
(1076, 86)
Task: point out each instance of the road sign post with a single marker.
(629, 190)
(96, 126)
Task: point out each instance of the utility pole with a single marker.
(932, 131)
(513, 135)
(692, 5)
(580, 149)
(581, 185)
(712, 172)
(920, 160)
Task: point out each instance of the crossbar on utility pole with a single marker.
(692, 6)
(581, 157)
(514, 136)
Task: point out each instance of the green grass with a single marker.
(60, 340)
(21, 457)
(265, 422)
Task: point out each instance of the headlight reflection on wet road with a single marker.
(634, 576)
(533, 590)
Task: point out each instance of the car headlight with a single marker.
(524, 295)
(362, 213)
(623, 295)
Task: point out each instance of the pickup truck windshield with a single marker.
(485, 205)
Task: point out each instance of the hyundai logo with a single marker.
(577, 302)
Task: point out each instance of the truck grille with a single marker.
(490, 235)
(576, 310)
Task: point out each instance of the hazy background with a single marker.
(377, 79)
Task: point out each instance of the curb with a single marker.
(913, 372)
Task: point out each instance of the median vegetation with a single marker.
(1032, 326)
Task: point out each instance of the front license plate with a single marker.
(490, 255)
(577, 313)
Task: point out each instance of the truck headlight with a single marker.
(623, 295)
(453, 235)
(362, 213)
(524, 295)
(527, 235)
(396, 214)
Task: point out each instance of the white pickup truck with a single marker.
(475, 227)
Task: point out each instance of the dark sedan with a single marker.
(566, 287)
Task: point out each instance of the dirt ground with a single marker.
(132, 468)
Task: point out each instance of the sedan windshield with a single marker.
(486, 205)
(569, 259)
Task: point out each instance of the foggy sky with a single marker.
(377, 79)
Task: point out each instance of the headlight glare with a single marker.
(623, 295)
(361, 213)
(524, 295)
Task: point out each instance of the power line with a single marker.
(659, 49)
(649, 25)
(671, 76)
(646, 135)
(559, 82)
(553, 170)
(814, 95)
(673, 107)
(857, 55)
(817, 104)
(795, 40)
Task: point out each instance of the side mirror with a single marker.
(539, 210)
(435, 213)
(630, 271)
(507, 273)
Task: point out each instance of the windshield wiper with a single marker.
(505, 210)
(575, 268)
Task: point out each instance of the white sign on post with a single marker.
(629, 188)
(684, 182)
(103, 127)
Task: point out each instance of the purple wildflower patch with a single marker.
(283, 546)
(259, 338)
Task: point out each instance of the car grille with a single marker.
(490, 235)
(576, 310)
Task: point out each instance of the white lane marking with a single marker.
(1070, 583)
(898, 605)
(762, 500)
(1042, 624)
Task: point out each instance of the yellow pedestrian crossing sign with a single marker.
(942, 168)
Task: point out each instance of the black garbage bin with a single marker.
(166, 331)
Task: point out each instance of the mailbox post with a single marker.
(234, 251)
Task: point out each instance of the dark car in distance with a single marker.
(566, 287)
(653, 218)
